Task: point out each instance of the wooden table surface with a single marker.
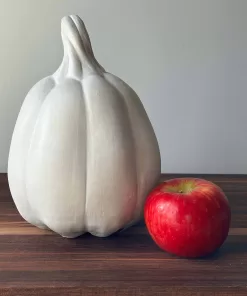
(36, 262)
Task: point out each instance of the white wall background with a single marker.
(187, 60)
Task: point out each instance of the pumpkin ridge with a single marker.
(134, 148)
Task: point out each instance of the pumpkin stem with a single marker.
(78, 58)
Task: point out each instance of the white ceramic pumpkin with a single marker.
(83, 154)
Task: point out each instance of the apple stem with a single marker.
(180, 191)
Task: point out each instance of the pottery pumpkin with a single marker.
(83, 154)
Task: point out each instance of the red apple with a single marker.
(188, 217)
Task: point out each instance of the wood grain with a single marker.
(38, 262)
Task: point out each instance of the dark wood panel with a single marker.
(38, 262)
(156, 290)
